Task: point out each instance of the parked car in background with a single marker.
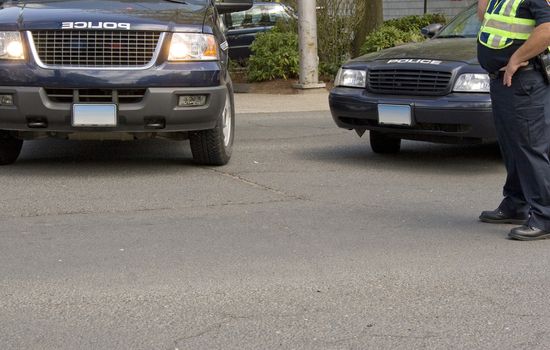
(431, 91)
(245, 25)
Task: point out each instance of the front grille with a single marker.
(119, 96)
(410, 82)
(93, 49)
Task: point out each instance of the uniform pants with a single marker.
(522, 120)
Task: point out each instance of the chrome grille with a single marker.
(120, 96)
(93, 49)
(411, 82)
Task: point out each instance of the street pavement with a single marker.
(306, 240)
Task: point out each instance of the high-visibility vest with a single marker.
(501, 26)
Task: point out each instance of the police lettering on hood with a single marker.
(413, 60)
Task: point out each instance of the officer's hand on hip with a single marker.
(511, 69)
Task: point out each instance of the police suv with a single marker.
(431, 91)
(116, 69)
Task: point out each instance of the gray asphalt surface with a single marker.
(307, 240)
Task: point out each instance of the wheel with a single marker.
(10, 148)
(214, 146)
(381, 143)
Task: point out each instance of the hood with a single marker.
(158, 15)
(450, 49)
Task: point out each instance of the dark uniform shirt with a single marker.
(494, 59)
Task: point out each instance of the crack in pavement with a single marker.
(83, 212)
(227, 319)
(94, 212)
(404, 336)
(212, 328)
(258, 185)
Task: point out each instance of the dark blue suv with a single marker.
(114, 69)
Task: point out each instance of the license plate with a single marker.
(394, 115)
(94, 115)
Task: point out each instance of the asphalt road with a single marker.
(307, 240)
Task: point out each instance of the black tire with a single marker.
(381, 143)
(214, 147)
(10, 148)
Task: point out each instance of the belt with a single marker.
(500, 73)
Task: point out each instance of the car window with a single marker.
(257, 16)
(465, 25)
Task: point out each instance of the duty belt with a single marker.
(500, 73)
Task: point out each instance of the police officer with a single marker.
(512, 35)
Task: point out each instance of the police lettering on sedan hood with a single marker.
(414, 60)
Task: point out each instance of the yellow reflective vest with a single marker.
(501, 26)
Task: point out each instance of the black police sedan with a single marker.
(431, 91)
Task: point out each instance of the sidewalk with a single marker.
(272, 103)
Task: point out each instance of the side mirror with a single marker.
(431, 30)
(228, 6)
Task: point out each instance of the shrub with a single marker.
(275, 55)
(410, 23)
(399, 31)
(336, 20)
(387, 37)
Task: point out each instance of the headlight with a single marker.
(11, 46)
(193, 47)
(472, 83)
(351, 78)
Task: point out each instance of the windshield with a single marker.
(465, 25)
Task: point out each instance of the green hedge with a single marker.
(275, 55)
(409, 23)
(399, 31)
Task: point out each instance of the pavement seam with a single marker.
(91, 212)
(258, 185)
(212, 328)
(253, 112)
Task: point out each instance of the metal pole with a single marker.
(425, 6)
(307, 28)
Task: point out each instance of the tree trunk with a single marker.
(370, 16)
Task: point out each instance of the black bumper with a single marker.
(162, 83)
(32, 105)
(454, 118)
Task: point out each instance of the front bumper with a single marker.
(32, 105)
(163, 83)
(454, 118)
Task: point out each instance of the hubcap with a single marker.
(227, 121)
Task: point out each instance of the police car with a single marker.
(431, 91)
(121, 70)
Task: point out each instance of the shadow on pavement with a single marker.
(147, 155)
(413, 157)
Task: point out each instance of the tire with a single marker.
(10, 148)
(381, 143)
(214, 146)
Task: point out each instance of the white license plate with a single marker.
(94, 115)
(394, 115)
